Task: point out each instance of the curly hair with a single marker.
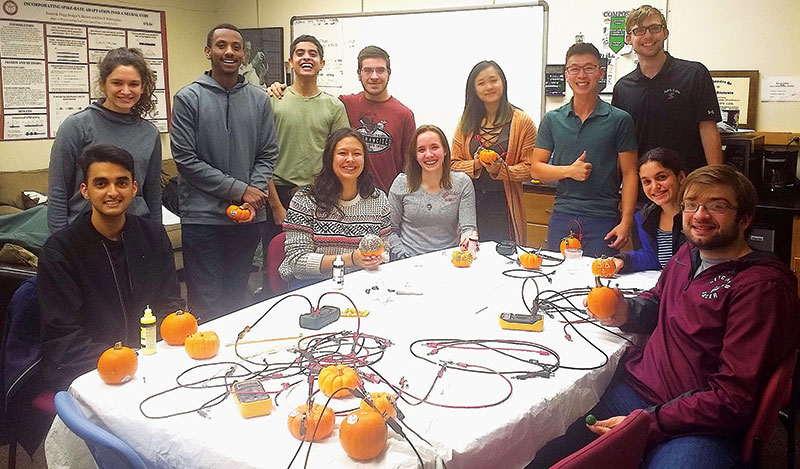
(327, 188)
(135, 59)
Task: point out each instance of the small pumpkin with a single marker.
(336, 377)
(462, 258)
(177, 326)
(363, 434)
(602, 300)
(604, 267)
(117, 364)
(371, 245)
(202, 345)
(237, 213)
(301, 417)
(488, 156)
(570, 241)
(530, 260)
(384, 402)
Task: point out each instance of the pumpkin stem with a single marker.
(597, 281)
(118, 346)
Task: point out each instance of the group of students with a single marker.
(327, 171)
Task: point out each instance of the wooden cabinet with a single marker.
(538, 208)
(795, 261)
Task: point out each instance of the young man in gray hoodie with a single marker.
(223, 141)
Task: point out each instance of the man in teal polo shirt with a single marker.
(591, 144)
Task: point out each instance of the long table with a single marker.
(455, 303)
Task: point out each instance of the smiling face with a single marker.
(489, 85)
(109, 188)
(583, 83)
(713, 232)
(226, 53)
(648, 44)
(374, 77)
(306, 60)
(122, 89)
(348, 160)
(660, 184)
(430, 152)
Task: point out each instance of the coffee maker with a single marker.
(779, 170)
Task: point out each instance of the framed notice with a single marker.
(49, 50)
(737, 90)
(263, 62)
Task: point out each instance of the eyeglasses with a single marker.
(587, 69)
(370, 71)
(717, 207)
(653, 28)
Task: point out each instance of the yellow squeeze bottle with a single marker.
(148, 322)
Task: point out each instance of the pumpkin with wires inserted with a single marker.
(602, 301)
(303, 423)
(177, 326)
(363, 434)
(462, 258)
(604, 267)
(336, 377)
(488, 156)
(384, 402)
(371, 245)
(570, 241)
(237, 213)
(530, 260)
(117, 364)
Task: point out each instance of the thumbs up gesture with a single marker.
(580, 169)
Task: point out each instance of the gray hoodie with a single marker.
(222, 142)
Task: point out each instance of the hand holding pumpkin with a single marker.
(607, 305)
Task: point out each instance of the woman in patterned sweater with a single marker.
(330, 216)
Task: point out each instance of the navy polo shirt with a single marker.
(668, 108)
(607, 132)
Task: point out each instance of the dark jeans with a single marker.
(217, 263)
(491, 210)
(691, 451)
(593, 229)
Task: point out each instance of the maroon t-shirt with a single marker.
(387, 128)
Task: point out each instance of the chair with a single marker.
(275, 254)
(108, 450)
(621, 448)
(780, 390)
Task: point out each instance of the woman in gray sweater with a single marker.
(432, 207)
(127, 84)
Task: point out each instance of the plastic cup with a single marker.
(573, 260)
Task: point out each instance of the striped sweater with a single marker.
(309, 237)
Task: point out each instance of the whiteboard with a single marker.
(433, 51)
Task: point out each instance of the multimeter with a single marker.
(251, 398)
(319, 318)
(522, 322)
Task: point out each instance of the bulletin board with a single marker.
(48, 55)
(433, 51)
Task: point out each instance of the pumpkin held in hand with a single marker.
(570, 241)
(202, 345)
(363, 434)
(117, 364)
(237, 213)
(302, 422)
(336, 377)
(530, 261)
(371, 245)
(602, 300)
(462, 258)
(488, 156)
(604, 267)
(177, 326)
(383, 401)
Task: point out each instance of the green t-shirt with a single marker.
(303, 125)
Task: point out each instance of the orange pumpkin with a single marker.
(462, 258)
(117, 364)
(237, 213)
(602, 300)
(202, 345)
(488, 156)
(604, 267)
(363, 434)
(301, 417)
(177, 326)
(530, 261)
(570, 241)
(371, 245)
(384, 402)
(335, 377)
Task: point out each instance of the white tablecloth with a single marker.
(506, 435)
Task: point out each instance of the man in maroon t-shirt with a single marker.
(386, 124)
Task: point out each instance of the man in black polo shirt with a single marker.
(672, 101)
